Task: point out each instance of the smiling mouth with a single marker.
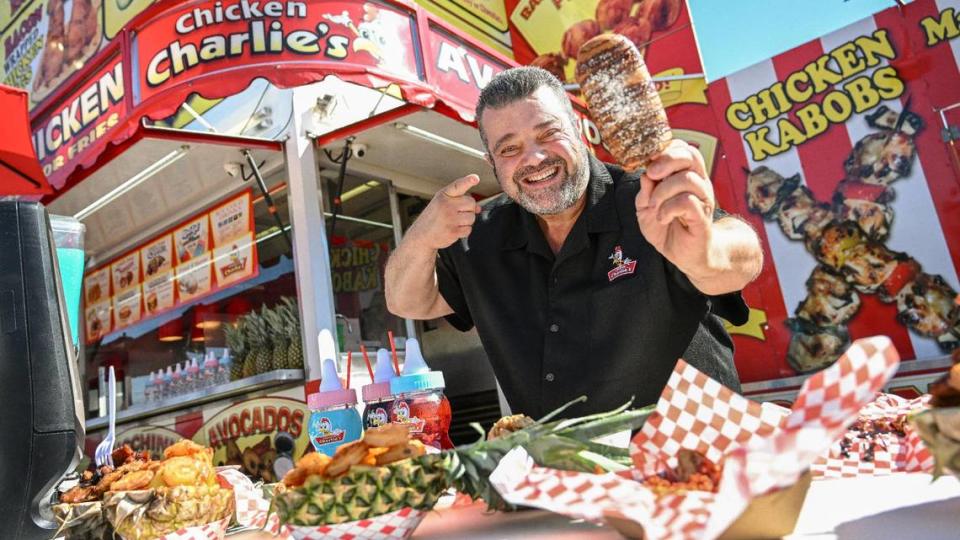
(545, 175)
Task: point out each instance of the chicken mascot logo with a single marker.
(325, 434)
(622, 266)
(376, 34)
(401, 415)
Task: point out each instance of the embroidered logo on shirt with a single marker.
(622, 266)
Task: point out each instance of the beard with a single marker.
(556, 198)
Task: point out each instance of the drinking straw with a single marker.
(366, 360)
(393, 350)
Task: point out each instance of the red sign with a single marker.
(80, 123)
(214, 37)
(834, 155)
(457, 67)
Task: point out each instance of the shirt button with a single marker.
(554, 328)
(549, 377)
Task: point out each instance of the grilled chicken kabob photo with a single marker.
(846, 237)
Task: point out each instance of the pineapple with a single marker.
(236, 341)
(251, 331)
(291, 318)
(144, 515)
(366, 492)
(278, 336)
(260, 338)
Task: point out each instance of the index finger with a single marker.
(461, 186)
(678, 156)
(646, 190)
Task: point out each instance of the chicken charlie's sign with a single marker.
(216, 36)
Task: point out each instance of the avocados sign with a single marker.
(214, 37)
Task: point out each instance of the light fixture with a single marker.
(171, 331)
(197, 334)
(133, 182)
(205, 317)
(359, 190)
(442, 141)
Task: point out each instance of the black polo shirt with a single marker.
(607, 317)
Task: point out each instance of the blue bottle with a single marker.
(334, 419)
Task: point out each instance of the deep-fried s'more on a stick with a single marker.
(623, 100)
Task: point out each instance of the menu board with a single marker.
(159, 293)
(157, 256)
(202, 255)
(96, 286)
(126, 307)
(98, 320)
(193, 239)
(125, 272)
(232, 220)
(234, 255)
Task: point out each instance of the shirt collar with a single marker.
(600, 213)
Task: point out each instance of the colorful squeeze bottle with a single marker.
(377, 397)
(334, 419)
(420, 403)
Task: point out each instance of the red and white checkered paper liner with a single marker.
(897, 454)
(252, 507)
(763, 448)
(397, 525)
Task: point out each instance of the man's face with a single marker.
(536, 153)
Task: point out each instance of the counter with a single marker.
(901, 506)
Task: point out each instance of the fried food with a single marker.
(184, 447)
(187, 471)
(387, 435)
(401, 452)
(189, 464)
(346, 456)
(77, 495)
(380, 446)
(623, 100)
(694, 472)
(133, 481)
(509, 424)
(310, 464)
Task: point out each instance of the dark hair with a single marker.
(515, 84)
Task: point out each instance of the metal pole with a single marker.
(311, 256)
(271, 206)
(397, 236)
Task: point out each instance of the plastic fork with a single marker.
(104, 454)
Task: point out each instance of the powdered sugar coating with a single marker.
(623, 100)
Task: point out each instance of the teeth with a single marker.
(544, 175)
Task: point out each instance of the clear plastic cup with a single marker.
(68, 236)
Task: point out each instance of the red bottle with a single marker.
(420, 402)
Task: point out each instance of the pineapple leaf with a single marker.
(627, 420)
(479, 429)
(562, 408)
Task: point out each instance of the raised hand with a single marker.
(675, 208)
(449, 216)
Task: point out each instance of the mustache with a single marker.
(545, 164)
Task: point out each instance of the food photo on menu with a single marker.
(337, 269)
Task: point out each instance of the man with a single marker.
(580, 279)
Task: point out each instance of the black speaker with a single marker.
(41, 409)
